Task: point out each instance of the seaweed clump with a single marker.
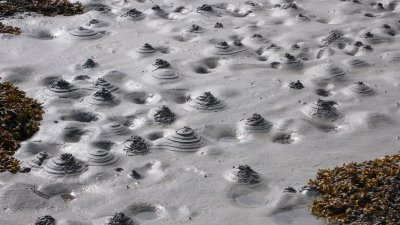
(5, 29)
(360, 193)
(8, 163)
(8, 144)
(45, 7)
(19, 115)
(20, 118)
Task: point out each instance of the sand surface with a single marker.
(189, 168)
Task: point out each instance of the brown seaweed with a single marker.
(359, 193)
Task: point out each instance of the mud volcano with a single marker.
(206, 102)
(45, 220)
(146, 49)
(158, 11)
(243, 174)
(103, 97)
(163, 115)
(324, 110)
(101, 83)
(296, 85)
(62, 87)
(207, 10)
(182, 140)
(291, 62)
(120, 219)
(82, 33)
(100, 157)
(136, 146)
(96, 23)
(256, 40)
(98, 8)
(134, 15)
(223, 48)
(63, 165)
(361, 89)
(38, 159)
(218, 25)
(195, 29)
(163, 71)
(89, 63)
(253, 125)
(335, 38)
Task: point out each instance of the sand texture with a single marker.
(198, 112)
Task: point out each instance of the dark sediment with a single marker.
(164, 115)
(89, 63)
(296, 85)
(45, 220)
(135, 175)
(136, 145)
(245, 175)
(120, 219)
(38, 159)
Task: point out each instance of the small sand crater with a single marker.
(178, 96)
(155, 135)
(75, 133)
(80, 116)
(145, 211)
(142, 98)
